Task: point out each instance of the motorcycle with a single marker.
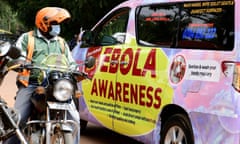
(54, 100)
(9, 119)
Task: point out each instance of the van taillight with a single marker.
(230, 68)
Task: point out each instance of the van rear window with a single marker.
(194, 25)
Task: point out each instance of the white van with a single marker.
(167, 71)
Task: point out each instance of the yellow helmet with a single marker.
(47, 15)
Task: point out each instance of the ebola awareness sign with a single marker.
(129, 87)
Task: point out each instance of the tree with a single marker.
(85, 13)
(9, 20)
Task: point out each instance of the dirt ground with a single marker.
(8, 88)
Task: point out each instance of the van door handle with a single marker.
(123, 63)
(114, 62)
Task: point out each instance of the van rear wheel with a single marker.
(177, 129)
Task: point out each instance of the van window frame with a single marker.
(99, 28)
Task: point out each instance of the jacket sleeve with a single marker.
(22, 45)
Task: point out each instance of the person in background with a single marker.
(73, 42)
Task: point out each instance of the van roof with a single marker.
(135, 3)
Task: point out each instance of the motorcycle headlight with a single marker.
(63, 90)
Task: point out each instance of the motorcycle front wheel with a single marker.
(62, 138)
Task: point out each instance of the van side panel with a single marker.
(133, 82)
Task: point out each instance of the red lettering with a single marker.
(102, 87)
(136, 71)
(149, 96)
(134, 94)
(111, 91)
(157, 93)
(150, 64)
(115, 58)
(142, 89)
(104, 68)
(94, 88)
(127, 61)
(142, 95)
(125, 92)
(118, 91)
(126, 57)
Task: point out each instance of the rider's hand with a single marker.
(73, 67)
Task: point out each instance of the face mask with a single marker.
(55, 30)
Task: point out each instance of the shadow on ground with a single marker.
(105, 136)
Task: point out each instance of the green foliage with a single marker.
(8, 18)
(85, 13)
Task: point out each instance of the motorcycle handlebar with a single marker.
(79, 75)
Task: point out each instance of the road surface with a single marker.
(93, 134)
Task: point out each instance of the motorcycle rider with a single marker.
(35, 46)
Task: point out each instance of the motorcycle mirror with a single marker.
(90, 61)
(4, 48)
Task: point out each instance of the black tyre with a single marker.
(177, 129)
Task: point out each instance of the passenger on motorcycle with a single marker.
(35, 46)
